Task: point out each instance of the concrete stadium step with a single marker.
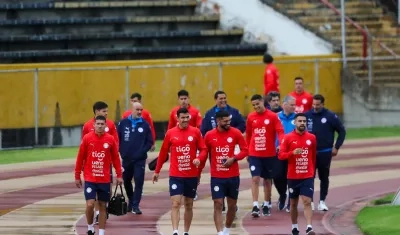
(336, 26)
(336, 18)
(323, 10)
(378, 73)
(392, 81)
(376, 65)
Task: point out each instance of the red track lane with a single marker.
(279, 223)
(155, 205)
(70, 168)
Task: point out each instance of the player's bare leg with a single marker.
(218, 214)
(267, 183)
(188, 215)
(230, 214)
(102, 217)
(294, 214)
(308, 213)
(90, 214)
(175, 215)
(255, 182)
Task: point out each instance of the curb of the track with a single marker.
(337, 211)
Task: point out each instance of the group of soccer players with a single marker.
(275, 141)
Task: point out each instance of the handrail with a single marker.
(363, 32)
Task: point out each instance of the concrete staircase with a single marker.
(325, 22)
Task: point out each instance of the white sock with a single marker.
(97, 212)
(90, 227)
(220, 233)
(255, 204)
(266, 203)
(101, 231)
(226, 230)
(309, 226)
(295, 226)
(175, 231)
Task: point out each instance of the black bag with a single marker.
(152, 165)
(117, 205)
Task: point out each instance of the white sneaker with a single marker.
(322, 206)
(312, 206)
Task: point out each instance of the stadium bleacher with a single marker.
(60, 31)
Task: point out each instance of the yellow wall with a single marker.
(76, 91)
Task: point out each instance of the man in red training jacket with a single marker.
(303, 98)
(299, 148)
(100, 108)
(224, 169)
(271, 75)
(262, 129)
(98, 150)
(182, 141)
(184, 102)
(136, 97)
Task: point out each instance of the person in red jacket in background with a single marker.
(184, 102)
(262, 129)
(299, 148)
(97, 152)
(100, 108)
(136, 97)
(303, 98)
(271, 75)
(224, 169)
(182, 141)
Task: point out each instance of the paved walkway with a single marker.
(40, 198)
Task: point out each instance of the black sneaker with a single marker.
(96, 221)
(255, 212)
(309, 231)
(185, 233)
(175, 234)
(136, 211)
(90, 232)
(295, 231)
(266, 211)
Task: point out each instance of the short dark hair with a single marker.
(299, 78)
(319, 97)
(181, 110)
(299, 115)
(222, 114)
(183, 93)
(218, 93)
(99, 105)
(101, 118)
(268, 58)
(256, 97)
(273, 94)
(136, 95)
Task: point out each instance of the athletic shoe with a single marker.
(310, 231)
(295, 231)
(255, 212)
(266, 211)
(322, 206)
(96, 221)
(288, 207)
(136, 211)
(270, 205)
(281, 203)
(223, 209)
(90, 232)
(185, 233)
(175, 234)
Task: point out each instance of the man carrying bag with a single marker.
(117, 205)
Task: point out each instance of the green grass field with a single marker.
(379, 220)
(42, 154)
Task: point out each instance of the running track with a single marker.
(41, 198)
